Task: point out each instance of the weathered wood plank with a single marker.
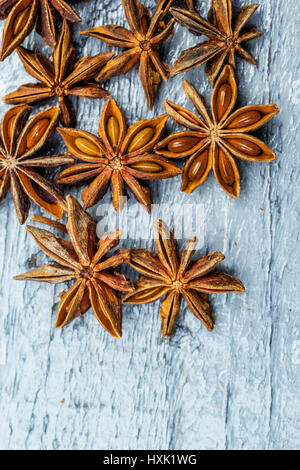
(235, 388)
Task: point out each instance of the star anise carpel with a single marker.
(85, 260)
(22, 15)
(212, 143)
(21, 161)
(166, 274)
(119, 156)
(226, 37)
(189, 4)
(142, 43)
(61, 78)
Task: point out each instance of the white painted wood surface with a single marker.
(235, 388)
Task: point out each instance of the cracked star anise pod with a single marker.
(20, 164)
(226, 38)
(120, 156)
(85, 260)
(22, 15)
(166, 274)
(61, 78)
(215, 141)
(142, 43)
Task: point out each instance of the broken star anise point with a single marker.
(142, 43)
(166, 274)
(85, 260)
(212, 142)
(20, 160)
(61, 78)
(119, 156)
(226, 37)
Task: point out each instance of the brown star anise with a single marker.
(166, 274)
(19, 165)
(84, 260)
(214, 142)
(61, 77)
(119, 156)
(22, 15)
(225, 37)
(190, 4)
(142, 44)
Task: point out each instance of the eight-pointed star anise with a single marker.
(214, 142)
(19, 164)
(166, 274)
(142, 44)
(120, 156)
(61, 77)
(225, 37)
(84, 260)
(22, 15)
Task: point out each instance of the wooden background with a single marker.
(235, 388)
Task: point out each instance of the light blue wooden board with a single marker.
(235, 388)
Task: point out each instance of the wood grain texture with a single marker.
(235, 388)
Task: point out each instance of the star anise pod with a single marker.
(214, 142)
(190, 4)
(120, 156)
(22, 15)
(61, 77)
(166, 274)
(84, 260)
(19, 163)
(226, 37)
(142, 42)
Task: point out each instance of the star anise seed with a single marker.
(22, 15)
(121, 156)
(19, 163)
(214, 142)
